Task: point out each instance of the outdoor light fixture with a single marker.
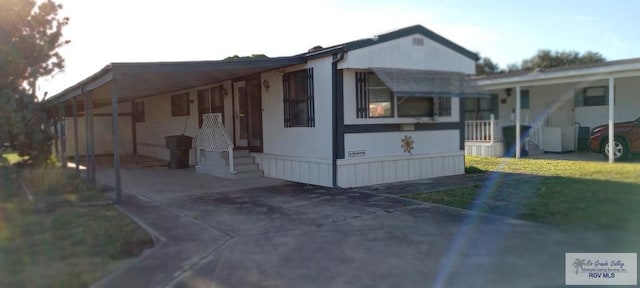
(265, 83)
(223, 91)
(508, 92)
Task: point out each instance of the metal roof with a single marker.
(404, 32)
(146, 79)
(597, 68)
(426, 83)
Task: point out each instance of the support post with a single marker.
(116, 141)
(87, 135)
(134, 132)
(611, 118)
(62, 133)
(91, 156)
(492, 128)
(74, 109)
(518, 122)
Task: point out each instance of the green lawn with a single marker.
(55, 241)
(592, 195)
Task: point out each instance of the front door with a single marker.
(248, 114)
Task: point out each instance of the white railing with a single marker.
(483, 130)
(535, 135)
(212, 137)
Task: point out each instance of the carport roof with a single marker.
(146, 79)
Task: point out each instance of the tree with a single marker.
(252, 56)
(545, 59)
(30, 35)
(486, 66)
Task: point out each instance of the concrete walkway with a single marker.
(269, 233)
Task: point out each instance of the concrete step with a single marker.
(240, 160)
(247, 167)
(247, 174)
(236, 153)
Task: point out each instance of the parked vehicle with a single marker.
(626, 139)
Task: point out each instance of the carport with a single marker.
(119, 83)
(609, 74)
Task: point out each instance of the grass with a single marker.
(54, 241)
(590, 195)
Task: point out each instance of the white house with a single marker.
(561, 105)
(370, 111)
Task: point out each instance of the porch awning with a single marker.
(427, 83)
(136, 80)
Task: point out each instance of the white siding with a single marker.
(389, 143)
(102, 132)
(308, 142)
(297, 169)
(626, 108)
(495, 149)
(159, 123)
(362, 172)
(402, 53)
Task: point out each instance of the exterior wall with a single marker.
(301, 154)
(309, 142)
(159, 122)
(402, 53)
(626, 105)
(377, 170)
(483, 149)
(389, 143)
(297, 169)
(377, 157)
(553, 105)
(102, 132)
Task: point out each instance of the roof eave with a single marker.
(604, 72)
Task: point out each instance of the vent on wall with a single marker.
(418, 41)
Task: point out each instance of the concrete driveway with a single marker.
(269, 233)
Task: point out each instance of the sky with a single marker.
(507, 31)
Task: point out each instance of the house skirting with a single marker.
(485, 149)
(296, 169)
(378, 170)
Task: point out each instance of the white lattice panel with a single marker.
(211, 136)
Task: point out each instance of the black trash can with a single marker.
(179, 146)
(509, 136)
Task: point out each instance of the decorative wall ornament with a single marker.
(407, 144)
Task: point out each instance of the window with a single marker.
(138, 111)
(210, 101)
(444, 106)
(480, 108)
(375, 100)
(415, 107)
(379, 97)
(524, 99)
(593, 96)
(298, 98)
(180, 104)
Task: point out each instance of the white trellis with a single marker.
(212, 137)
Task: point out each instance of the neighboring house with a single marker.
(370, 111)
(561, 105)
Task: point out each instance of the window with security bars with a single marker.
(298, 98)
(375, 100)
